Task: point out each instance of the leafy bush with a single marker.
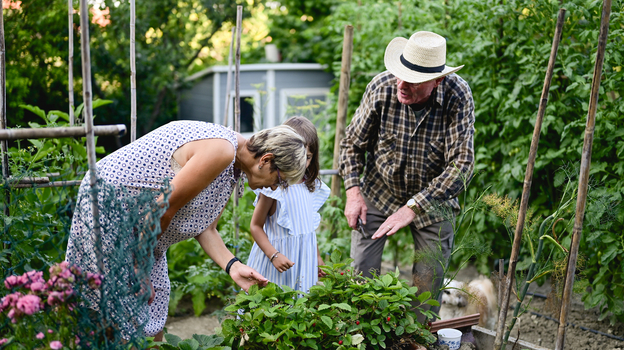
(345, 311)
(197, 342)
(39, 219)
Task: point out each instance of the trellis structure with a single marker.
(90, 131)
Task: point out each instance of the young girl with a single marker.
(285, 220)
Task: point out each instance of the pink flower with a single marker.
(77, 340)
(55, 298)
(37, 287)
(50, 331)
(56, 345)
(29, 304)
(40, 335)
(3, 341)
(13, 281)
(32, 277)
(9, 300)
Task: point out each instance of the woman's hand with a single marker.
(282, 263)
(246, 277)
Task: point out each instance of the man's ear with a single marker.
(438, 81)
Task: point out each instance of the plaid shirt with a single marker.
(425, 155)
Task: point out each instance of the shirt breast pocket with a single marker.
(435, 157)
(385, 153)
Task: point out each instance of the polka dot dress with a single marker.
(145, 164)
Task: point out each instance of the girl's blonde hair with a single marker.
(304, 127)
(287, 147)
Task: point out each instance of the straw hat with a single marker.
(419, 59)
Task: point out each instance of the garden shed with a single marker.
(267, 91)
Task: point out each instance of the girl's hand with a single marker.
(282, 263)
(321, 273)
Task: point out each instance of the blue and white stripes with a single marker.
(292, 231)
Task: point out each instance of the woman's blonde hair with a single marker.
(287, 147)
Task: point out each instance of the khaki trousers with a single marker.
(427, 273)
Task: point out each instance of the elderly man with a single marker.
(414, 132)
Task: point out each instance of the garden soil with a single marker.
(537, 325)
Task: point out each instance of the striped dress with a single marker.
(292, 231)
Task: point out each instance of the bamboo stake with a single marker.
(584, 174)
(133, 101)
(88, 122)
(3, 119)
(67, 131)
(70, 61)
(528, 179)
(48, 184)
(343, 104)
(229, 81)
(239, 20)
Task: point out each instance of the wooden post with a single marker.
(133, 101)
(239, 20)
(229, 81)
(584, 174)
(70, 61)
(343, 104)
(88, 125)
(528, 179)
(3, 119)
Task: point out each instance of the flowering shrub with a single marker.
(40, 314)
(345, 312)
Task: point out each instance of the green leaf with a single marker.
(172, 339)
(100, 103)
(376, 329)
(189, 344)
(342, 306)
(323, 307)
(38, 111)
(328, 321)
(386, 279)
(399, 330)
(424, 296)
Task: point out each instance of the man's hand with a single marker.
(282, 263)
(246, 277)
(355, 207)
(395, 222)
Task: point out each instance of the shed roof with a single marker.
(258, 67)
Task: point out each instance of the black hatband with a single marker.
(421, 69)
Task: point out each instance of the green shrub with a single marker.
(345, 311)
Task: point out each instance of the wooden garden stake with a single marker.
(70, 61)
(239, 20)
(584, 174)
(133, 101)
(88, 125)
(343, 103)
(528, 178)
(229, 81)
(3, 119)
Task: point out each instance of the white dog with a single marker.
(479, 296)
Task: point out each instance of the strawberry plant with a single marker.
(345, 311)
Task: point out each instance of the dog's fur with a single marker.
(479, 296)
